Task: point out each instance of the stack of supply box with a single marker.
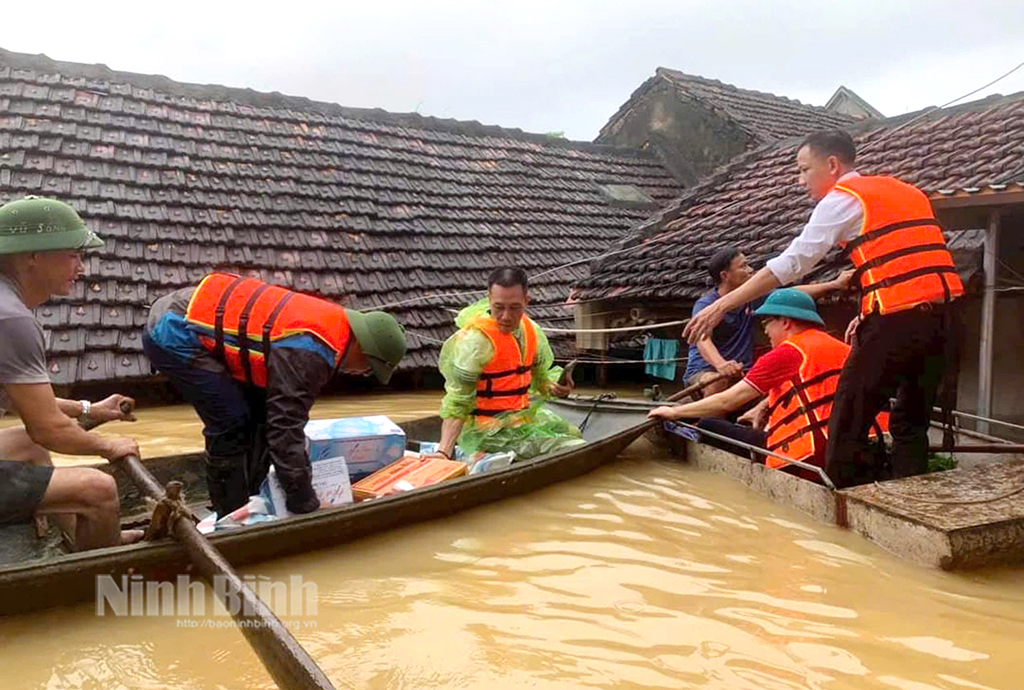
(341, 451)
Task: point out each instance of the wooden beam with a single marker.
(988, 318)
(986, 197)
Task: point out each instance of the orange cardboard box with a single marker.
(412, 470)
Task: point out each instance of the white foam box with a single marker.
(366, 443)
(330, 483)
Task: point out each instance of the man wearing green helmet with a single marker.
(41, 245)
(797, 380)
(251, 358)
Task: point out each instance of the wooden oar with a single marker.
(288, 663)
(690, 390)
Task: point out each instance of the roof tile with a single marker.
(365, 207)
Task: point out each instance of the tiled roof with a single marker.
(360, 206)
(764, 116)
(756, 203)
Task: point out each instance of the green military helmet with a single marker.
(791, 303)
(36, 224)
(381, 338)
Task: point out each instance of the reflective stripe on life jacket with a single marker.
(900, 256)
(798, 409)
(239, 318)
(504, 384)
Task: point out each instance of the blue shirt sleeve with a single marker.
(703, 301)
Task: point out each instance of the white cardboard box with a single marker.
(330, 482)
(341, 451)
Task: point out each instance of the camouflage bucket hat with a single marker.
(36, 224)
(381, 338)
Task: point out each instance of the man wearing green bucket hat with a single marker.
(251, 358)
(797, 380)
(41, 242)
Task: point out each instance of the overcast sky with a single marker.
(558, 65)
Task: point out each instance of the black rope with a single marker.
(597, 401)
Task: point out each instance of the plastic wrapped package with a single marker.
(529, 433)
(252, 513)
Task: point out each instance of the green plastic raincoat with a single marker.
(530, 432)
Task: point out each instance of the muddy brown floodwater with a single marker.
(643, 574)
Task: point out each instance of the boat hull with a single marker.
(71, 578)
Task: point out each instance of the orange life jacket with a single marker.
(504, 384)
(900, 257)
(798, 410)
(239, 318)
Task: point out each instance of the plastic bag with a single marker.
(528, 433)
(252, 513)
(489, 462)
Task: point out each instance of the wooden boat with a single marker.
(35, 573)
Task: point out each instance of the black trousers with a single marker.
(901, 356)
(742, 433)
(748, 435)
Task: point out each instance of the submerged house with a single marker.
(363, 207)
(969, 159)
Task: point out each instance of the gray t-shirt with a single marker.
(23, 349)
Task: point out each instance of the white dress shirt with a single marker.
(837, 218)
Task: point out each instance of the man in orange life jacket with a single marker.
(905, 331)
(799, 378)
(212, 342)
(491, 365)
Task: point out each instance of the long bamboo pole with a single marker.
(291, 667)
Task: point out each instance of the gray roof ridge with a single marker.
(654, 224)
(276, 99)
(670, 73)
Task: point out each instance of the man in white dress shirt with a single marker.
(902, 337)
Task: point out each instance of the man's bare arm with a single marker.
(701, 325)
(54, 430)
(816, 290)
(712, 356)
(450, 430)
(717, 405)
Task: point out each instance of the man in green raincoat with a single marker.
(492, 366)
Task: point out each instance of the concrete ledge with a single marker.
(963, 518)
(915, 542)
(813, 499)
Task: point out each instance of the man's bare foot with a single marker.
(130, 536)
